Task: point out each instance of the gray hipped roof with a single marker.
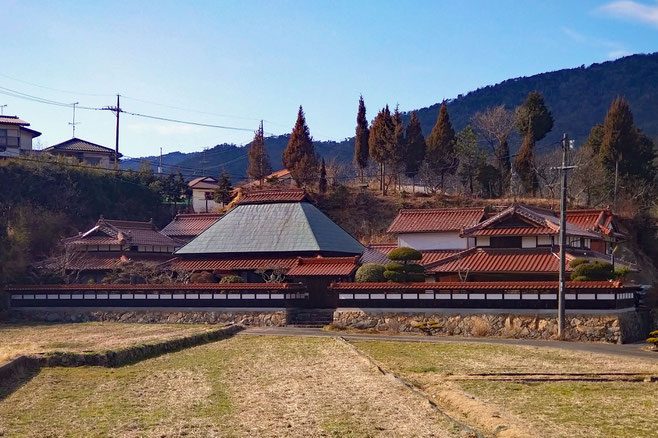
(272, 228)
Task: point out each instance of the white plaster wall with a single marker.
(199, 202)
(529, 242)
(482, 241)
(423, 241)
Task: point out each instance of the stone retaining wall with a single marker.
(269, 318)
(614, 328)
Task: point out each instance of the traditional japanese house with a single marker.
(518, 243)
(270, 232)
(110, 243)
(186, 226)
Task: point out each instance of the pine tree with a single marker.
(323, 178)
(259, 162)
(415, 148)
(398, 152)
(299, 156)
(223, 192)
(471, 156)
(381, 142)
(361, 139)
(440, 154)
(533, 115)
(524, 163)
(594, 140)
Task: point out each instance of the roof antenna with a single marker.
(73, 123)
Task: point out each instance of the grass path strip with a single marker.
(411, 388)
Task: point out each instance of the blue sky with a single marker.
(247, 60)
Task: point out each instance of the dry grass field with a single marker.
(532, 391)
(242, 386)
(30, 338)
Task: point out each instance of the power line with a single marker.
(55, 89)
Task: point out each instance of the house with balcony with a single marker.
(15, 137)
(85, 152)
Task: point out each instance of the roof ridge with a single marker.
(426, 210)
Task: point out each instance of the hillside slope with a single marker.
(578, 97)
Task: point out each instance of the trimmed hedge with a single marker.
(370, 273)
(405, 254)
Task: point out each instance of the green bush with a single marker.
(621, 272)
(370, 273)
(415, 268)
(394, 266)
(593, 271)
(395, 276)
(579, 261)
(405, 254)
(231, 279)
(653, 338)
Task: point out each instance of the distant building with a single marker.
(279, 179)
(110, 243)
(84, 151)
(203, 194)
(15, 136)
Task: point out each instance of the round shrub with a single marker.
(405, 254)
(231, 279)
(593, 271)
(578, 261)
(415, 268)
(395, 276)
(370, 273)
(394, 266)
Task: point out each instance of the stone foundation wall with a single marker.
(269, 318)
(613, 328)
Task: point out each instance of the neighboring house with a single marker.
(185, 226)
(519, 243)
(435, 228)
(15, 136)
(280, 179)
(203, 194)
(84, 151)
(112, 242)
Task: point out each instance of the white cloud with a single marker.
(631, 10)
(613, 49)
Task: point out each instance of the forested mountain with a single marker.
(577, 97)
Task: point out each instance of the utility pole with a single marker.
(160, 166)
(73, 123)
(563, 237)
(118, 110)
(2, 109)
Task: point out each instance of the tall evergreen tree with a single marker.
(382, 142)
(361, 147)
(595, 138)
(299, 156)
(524, 163)
(533, 115)
(224, 191)
(471, 157)
(396, 160)
(259, 162)
(504, 166)
(415, 149)
(440, 154)
(323, 178)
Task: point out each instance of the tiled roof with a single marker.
(189, 225)
(284, 227)
(500, 260)
(101, 261)
(274, 195)
(231, 264)
(203, 182)
(435, 220)
(507, 285)
(323, 266)
(595, 220)
(545, 221)
(78, 145)
(157, 287)
(13, 120)
(118, 232)
(378, 253)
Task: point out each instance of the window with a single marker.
(587, 243)
(505, 242)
